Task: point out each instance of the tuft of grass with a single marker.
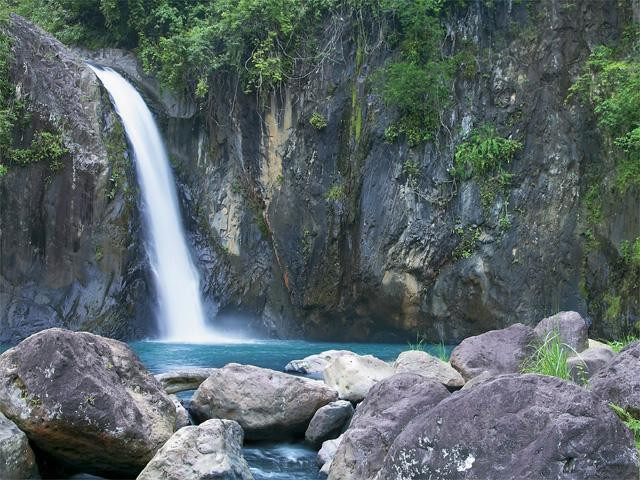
(618, 345)
(549, 358)
(439, 350)
(629, 420)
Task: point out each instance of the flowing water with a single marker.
(268, 461)
(180, 312)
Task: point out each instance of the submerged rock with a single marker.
(353, 375)
(183, 379)
(210, 451)
(17, 460)
(427, 365)
(517, 427)
(585, 364)
(328, 422)
(496, 351)
(388, 407)
(267, 404)
(315, 364)
(85, 400)
(571, 328)
(618, 382)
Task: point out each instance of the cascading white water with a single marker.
(180, 312)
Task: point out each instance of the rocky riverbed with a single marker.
(75, 403)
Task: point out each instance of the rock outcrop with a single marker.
(618, 381)
(495, 352)
(353, 375)
(521, 426)
(422, 363)
(388, 407)
(70, 249)
(210, 451)
(17, 461)
(85, 400)
(328, 422)
(267, 404)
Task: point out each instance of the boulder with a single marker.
(17, 460)
(422, 363)
(85, 400)
(618, 382)
(182, 416)
(315, 364)
(571, 328)
(597, 344)
(328, 450)
(583, 365)
(328, 422)
(496, 351)
(183, 379)
(477, 380)
(267, 404)
(515, 426)
(210, 451)
(353, 375)
(389, 406)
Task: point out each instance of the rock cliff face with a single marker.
(69, 254)
(322, 233)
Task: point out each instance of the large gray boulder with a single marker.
(618, 382)
(210, 451)
(17, 460)
(586, 363)
(85, 400)
(183, 379)
(515, 427)
(571, 328)
(388, 407)
(353, 375)
(267, 404)
(427, 365)
(496, 351)
(328, 422)
(315, 364)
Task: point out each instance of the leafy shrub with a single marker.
(620, 344)
(485, 153)
(610, 84)
(318, 121)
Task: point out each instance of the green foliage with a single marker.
(440, 350)
(412, 171)
(549, 358)
(318, 121)
(335, 194)
(629, 420)
(610, 84)
(630, 252)
(483, 154)
(468, 243)
(47, 147)
(620, 344)
(484, 157)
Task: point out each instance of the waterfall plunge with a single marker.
(180, 313)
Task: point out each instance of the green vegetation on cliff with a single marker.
(40, 146)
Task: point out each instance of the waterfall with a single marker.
(180, 312)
